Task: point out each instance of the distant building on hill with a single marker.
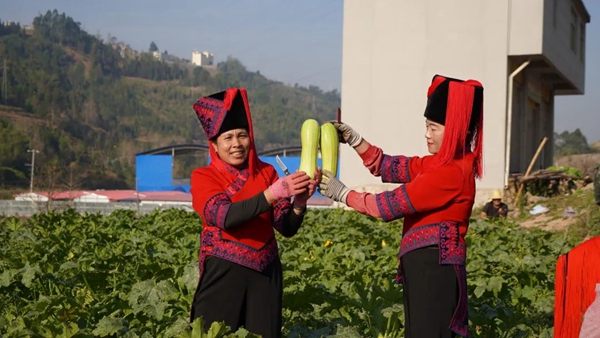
(202, 58)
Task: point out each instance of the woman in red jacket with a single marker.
(241, 200)
(435, 200)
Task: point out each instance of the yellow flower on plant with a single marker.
(383, 243)
(328, 243)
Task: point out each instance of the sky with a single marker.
(292, 41)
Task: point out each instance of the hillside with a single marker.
(88, 106)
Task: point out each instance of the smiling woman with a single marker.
(233, 146)
(435, 201)
(241, 199)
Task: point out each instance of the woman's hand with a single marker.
(347, 134)
(301, 199)
(288, 186)
(333, 188)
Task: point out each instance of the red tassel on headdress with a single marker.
(476, 141)
(229, 96)
(458, 116)
(577, 273)
(437, 80)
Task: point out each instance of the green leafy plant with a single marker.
(571, 171)
(72, 275)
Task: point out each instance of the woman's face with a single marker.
(233, 146)
(434, 133)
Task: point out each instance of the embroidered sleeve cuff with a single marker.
(215, 211)
(394, 204)
(280, 208)
(394, 169)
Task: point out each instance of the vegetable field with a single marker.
(70, 275)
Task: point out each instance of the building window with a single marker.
(582, 41)
(573, 30)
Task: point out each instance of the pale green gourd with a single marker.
(329, 148)
(309, 137)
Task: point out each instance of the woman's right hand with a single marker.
(347, 134)
(288, 186)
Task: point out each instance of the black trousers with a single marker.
(240, 297)
(430, 294)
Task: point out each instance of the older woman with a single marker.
(435, 200)
(241, 200)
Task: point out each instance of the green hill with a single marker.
(88, 105)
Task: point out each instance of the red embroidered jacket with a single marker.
(436, 203)
(252, 244)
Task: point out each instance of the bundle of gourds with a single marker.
(314, 137)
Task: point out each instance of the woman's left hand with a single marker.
(301, 199)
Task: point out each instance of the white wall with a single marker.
(391, 51)
(202, 59)
(526, 27)
(557, 42)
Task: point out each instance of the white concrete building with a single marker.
(522, 51)
(202, 58)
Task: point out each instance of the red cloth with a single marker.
(444, 193)
(577, 273)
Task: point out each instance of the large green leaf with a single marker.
(29, 272)
(110, 326)
(151, 297)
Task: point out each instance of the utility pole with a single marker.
(137, 193)
(4, 82)
(32, 151)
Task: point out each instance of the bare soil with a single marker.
(547, 222)
(584, 162)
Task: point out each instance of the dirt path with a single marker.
(547, 222)
(29, 118)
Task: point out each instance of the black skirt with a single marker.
(431, 294)
(240, 297)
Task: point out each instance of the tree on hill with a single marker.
(570, 143)
(153, 47)
(81, 100)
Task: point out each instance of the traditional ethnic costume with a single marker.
(240, 280)
(436, 201)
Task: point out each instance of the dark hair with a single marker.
(214, 139)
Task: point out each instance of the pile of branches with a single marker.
(546, 183)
